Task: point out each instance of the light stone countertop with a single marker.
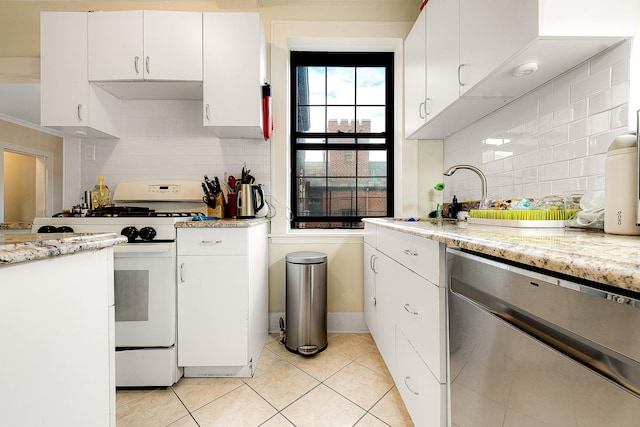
(16, 225)
(16, 248)
(223, 223)
(592, 255)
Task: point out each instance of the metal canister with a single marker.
(87, 199)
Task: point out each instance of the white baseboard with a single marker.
(345, 322)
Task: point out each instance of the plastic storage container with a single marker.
(306, 305)
(621, 186)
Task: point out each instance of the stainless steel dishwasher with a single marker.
(530, 349)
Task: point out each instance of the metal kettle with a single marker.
(249, 200)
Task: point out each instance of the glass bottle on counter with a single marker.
(100, 196)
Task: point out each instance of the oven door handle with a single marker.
(142, 248)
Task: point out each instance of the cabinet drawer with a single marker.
(419, 311)
(423, 395)
(418, 254)
(212, 241)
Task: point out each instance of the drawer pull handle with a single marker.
(135, 64)
(406, 383)
(407, 308)
(211, 242)
(182, 272)
(410, 252)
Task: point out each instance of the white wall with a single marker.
(553, 139)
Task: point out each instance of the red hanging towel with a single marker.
(266, 111)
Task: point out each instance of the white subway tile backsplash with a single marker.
(587, 166)
(620, 73)
(619, 117)
(558, 133)
(570, 150)
(555, 136)
(594, 84)
(556, 101)
(608, 99)
(166, 139)
(553, 171)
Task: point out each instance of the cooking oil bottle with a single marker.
(100, 196)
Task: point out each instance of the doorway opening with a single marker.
(25, 186)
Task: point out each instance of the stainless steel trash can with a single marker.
(306, 303)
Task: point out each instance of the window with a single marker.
(341, 138)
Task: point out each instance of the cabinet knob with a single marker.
(373, 300)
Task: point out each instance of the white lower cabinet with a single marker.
(408, 320)
(222, 300)
(58, 341)
(423, 395)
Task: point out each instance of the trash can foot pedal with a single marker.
(308, 350)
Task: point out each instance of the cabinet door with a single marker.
(386, 279)
(232, 98)
(64, 85)
(490, 32)
(212, 311)
(442, 55)
(116, 45)
(414, 76)
(172, 45)
(370, 314)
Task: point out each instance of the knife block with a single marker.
(218, 211)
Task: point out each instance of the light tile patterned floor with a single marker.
(347, 384)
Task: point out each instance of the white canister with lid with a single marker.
(621, 186)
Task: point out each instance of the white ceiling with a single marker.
(21, 101)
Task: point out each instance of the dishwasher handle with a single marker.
(618, 368)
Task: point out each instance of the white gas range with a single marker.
(145, 272)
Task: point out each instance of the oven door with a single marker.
(145, 295)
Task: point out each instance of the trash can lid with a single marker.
(306, 257)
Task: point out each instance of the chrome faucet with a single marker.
(483, 178)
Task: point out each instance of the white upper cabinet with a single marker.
(496, 37)
(68, 102)
(145, 45)
(415, 76)
(235, 68)
(442, 56)
(490, 32)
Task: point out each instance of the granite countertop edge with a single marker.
(16, 225)
(585, 254)
(224, 223)
(19, 248)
